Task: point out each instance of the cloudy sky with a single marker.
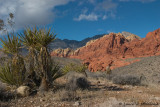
(78, 19)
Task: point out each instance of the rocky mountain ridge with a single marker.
(115, 48)
(72, 44)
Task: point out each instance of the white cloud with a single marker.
(89, 17)
(100, 30)
(110, 31)
(103, 9)
(30, 11)
(92, 1)
(106, 5)
(143, 1)
(104, 17)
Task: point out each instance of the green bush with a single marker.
(76, 68)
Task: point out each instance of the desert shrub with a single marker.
(79, 68)
(108, 70)
(5, 95)
(127, 80)
(68, 95)
(82, 83)
(75, 83)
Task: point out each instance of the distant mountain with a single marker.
(73, 44)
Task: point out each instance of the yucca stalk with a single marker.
(15, 70)
(44, 38)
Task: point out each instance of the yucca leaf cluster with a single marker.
(13, 72)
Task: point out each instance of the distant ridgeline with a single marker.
(72, 44)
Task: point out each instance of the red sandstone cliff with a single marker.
(112, 49)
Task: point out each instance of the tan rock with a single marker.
(23, 91)
(62, 52)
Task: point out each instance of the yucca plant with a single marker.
(29, 42)
(37, 41)
(11, 44)
(15, 69)
(9, 76)
(44, 38)
(57, 71)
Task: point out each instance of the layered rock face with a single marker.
(129, 36)
(63, 52)
(114, 49)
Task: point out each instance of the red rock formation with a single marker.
(113, 49)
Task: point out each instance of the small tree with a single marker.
(108, 71)
(1, 24)
(4, 26)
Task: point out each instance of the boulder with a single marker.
(23, 91)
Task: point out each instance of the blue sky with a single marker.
(78, 19)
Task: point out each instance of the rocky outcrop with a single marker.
(114, 49)
(62, 52)
(103, 52)
(129, 36)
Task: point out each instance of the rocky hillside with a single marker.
(114, 48)
(147, 67)
(72, 44)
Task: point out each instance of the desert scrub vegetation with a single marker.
(81, 68)
(127, 80)
(36, 69)
(75, 83)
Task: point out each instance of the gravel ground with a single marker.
(103, 93)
